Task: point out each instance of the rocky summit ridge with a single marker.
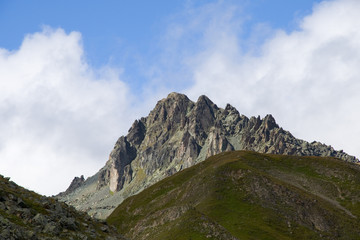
(177, 134)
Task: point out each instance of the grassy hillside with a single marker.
(247, 195)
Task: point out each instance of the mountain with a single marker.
(27, 215)
(248, 195)
(177, 134)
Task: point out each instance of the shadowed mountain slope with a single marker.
(248, 195)
(27, 215)
(177, 134)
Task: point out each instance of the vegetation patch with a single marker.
(247, 195)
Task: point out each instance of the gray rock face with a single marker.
(177, 134)
(117, 173)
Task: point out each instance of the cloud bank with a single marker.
(59, 117)
(309, 78)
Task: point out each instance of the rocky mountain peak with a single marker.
(270, 122)
(205, 105)
(230, 109)
(178, 133)
(176, 96)
(173, 108)
(76, 182)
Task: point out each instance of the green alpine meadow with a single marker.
(248, 195)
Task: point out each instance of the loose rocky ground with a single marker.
(27, 215)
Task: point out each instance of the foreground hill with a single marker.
(247, 195)
(27, 215)
(177, 134)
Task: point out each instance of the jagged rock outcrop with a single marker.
(177, 134)
(75, 183)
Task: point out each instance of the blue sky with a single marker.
(74, 75)
(127, 33)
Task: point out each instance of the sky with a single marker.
(74, 75)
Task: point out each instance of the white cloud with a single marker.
(309, 79)
(59, 117)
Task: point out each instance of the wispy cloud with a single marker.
(59, 117)
(308, 78)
